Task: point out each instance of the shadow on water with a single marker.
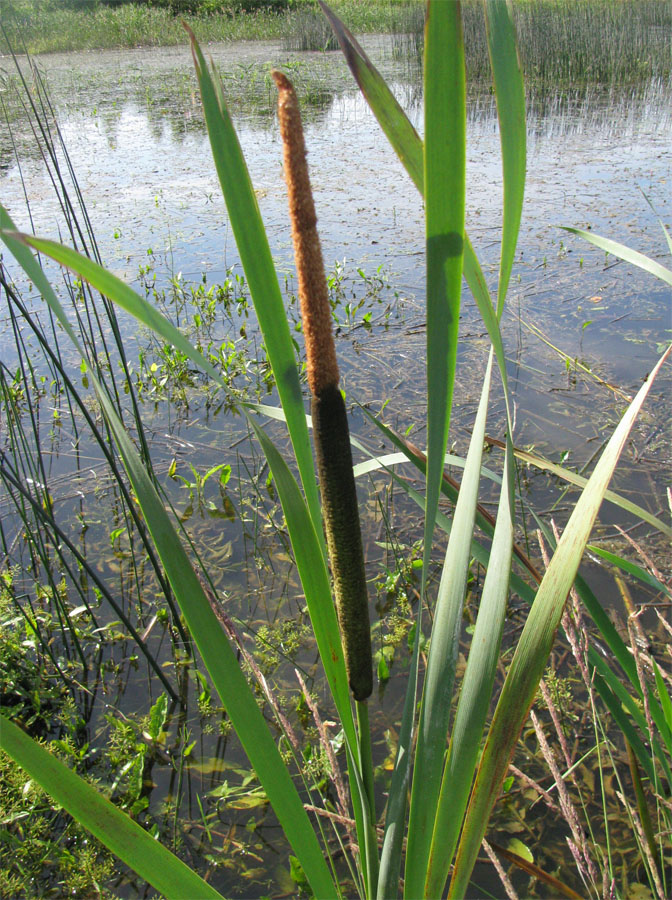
(581, 333)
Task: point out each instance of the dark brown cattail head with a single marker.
(330, 423)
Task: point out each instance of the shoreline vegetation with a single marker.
(603, 41)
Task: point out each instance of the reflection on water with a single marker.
(581, 330)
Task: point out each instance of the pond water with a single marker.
(582, 331)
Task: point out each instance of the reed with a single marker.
(452, 793)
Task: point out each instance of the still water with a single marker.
(581, 331)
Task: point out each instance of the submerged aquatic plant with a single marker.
(452, 793)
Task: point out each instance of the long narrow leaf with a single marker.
(120, 834)
(510, 93)
(314, 579)
(435, 710)
(478, 551)
(391, 117)
(632, 710)
(617, 647)
(255, 255)
(624, 253)
(535, 645)
(395, 814)
(626, 565)
(539, 462)
(483, 519)
(392, 459)
(445, 168)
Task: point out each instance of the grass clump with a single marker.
(601, 41)
(564, 42)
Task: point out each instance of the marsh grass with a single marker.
(560, 41)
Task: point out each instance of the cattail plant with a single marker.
(454, 775)
(330, 423)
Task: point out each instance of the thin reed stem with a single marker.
(366, 763)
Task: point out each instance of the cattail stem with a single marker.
(330, 424)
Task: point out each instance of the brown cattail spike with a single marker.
(313, 294)
(330, 422)
(344, 538)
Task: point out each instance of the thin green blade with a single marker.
(408, 146)
(510, 92)
(626, 565)
(567, 475)
(314, 579)
(115, 289)
(535, 645)
(395, 813)
(435, 710)
(255, 255)
(391, 117)
(445, 169)
(124, 837)
(624, 253)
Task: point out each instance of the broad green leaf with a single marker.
(535, 646)
(444, 168)
(625, 253)
(262, 280)
(120, 834)
(510, 94)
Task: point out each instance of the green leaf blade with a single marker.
(475, 696)
(120, 834)
(392, 119)
(510, 94)
(255, 255)
(445, 172)
(625, 253)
